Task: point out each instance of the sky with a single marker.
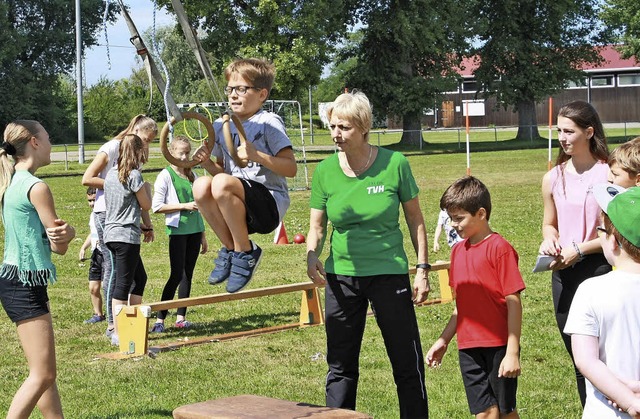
(121, 51)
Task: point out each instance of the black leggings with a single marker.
(183, 254)
(347, 299)
(130, 276)
(564, 284)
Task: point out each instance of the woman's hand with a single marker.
(550, 247)
(421, 287)
(315, 269)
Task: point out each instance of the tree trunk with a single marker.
(411, 130)
(527, 120)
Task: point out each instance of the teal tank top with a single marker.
(27, 252)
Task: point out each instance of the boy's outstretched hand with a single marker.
(436, 353)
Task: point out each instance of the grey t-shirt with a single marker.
(122, 222)
(266, 131)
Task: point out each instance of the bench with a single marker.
(258, 407)
(133, 321)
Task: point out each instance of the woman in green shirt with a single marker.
(360, 190)
(32, 232)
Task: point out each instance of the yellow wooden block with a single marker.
(133, 323)
(310, 309)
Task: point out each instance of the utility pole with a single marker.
(79, 85)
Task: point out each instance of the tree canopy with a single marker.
(37, 46)
(409, 53)
(624, 17)
(529, 50)
(297, 36)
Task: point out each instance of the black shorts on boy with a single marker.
(479, 368)
(262, 211)
(95, 266)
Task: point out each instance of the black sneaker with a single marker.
(223, 267)
(243, 265)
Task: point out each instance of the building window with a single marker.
(580, 84)
(629, 79)
(602, 81)
(469, 86)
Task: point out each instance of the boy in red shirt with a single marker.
(488, 315)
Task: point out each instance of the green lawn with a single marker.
(290, 365)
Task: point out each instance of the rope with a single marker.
(154, 42)
(194, 43)
(106, 34)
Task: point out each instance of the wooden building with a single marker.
(613, 89)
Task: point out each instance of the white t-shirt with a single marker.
(445, 221)
(112, 150)
(608, 307)
(267, 133)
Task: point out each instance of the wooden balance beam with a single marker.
(133, 321)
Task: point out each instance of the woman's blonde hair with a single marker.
(16, 136)
(139, 123)
(355, 108)
(132, 155)
(184, 140)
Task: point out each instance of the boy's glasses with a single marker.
(240, 90)
(602, 230)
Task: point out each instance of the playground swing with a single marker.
(228, 116)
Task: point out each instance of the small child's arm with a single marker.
(439, 348)
(204, 246)
(510, 365)
(84, 247)
(436, 237)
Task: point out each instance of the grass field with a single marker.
(291, 365)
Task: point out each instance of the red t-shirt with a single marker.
(482, 275)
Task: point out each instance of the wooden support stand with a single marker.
(258, 407)
(133, 321)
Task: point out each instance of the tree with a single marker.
(37, 45)
(298, 36)
(529, 50)
(624, 17)
(408, 55)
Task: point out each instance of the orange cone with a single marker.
(280, 236)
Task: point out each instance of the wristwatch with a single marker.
(423, 266)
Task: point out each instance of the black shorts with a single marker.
(479, 368)
(95, 267)
(22, 302)
(262, 211)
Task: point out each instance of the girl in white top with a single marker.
(173, 197)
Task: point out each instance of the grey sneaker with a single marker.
(109, 332)
(223, 267)
(243, 265)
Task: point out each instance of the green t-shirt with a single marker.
(190, 221)
(27, 251)
(364, 212)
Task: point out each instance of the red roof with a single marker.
(613, 61)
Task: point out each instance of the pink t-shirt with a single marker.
(577, 210)
(482, 275)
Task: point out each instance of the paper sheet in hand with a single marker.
(543, 262)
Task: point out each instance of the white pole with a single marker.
(79, 85)
(310, 115)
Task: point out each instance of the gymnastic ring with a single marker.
(210, 141)
(228, 139)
